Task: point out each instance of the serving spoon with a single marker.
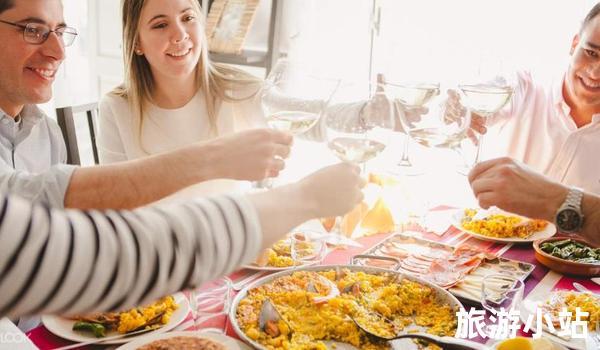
(446, 343)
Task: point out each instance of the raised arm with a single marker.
(250, 155)
(73, 262)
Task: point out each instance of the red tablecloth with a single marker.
(524, 252)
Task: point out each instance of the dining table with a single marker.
(541, 281)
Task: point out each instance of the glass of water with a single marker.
(307, 248)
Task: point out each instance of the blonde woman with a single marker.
(173, 95)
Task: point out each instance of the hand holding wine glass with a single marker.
(293, 101)
(413, 98)
(439, 126)
(487, 92)
(359, 122)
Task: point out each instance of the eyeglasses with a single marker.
(37, 33)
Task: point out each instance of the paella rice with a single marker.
(501, 226)
(305, 324)
(571, 301)
(138, 317)
(151, 316)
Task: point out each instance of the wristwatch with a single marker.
(569, 217)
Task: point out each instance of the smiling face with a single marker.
(582, 82)
(27, 70)
(169, 38)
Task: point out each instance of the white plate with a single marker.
(228, 342)
(63, 327)
(547, 232)
(528, 307)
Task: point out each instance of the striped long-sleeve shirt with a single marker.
(73, 261)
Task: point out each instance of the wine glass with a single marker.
(413, 96)
(434, 128)
(293, 100)
(487, 91)
(359, 122)
(500, 292)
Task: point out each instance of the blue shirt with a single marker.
(33, 157)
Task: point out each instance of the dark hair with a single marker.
(590, 16)
(6, 5)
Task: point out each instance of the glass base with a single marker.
(404, 169)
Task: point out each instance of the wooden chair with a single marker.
(66, 120)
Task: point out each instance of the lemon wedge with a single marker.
(520, 343)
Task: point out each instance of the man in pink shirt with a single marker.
(556, 129)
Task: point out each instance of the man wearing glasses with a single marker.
(32, 151)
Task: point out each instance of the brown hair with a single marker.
(6, 5)
(591, 15)
(139, 84)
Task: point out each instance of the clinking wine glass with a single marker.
(487, 91)
(436, 126)
(359, 122)
(293, 100)
(412, 97)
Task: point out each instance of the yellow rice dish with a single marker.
(573, 300)
(138, 317)
(501, 226)
(151, 316)
(307, 321)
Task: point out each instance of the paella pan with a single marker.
(320, 307)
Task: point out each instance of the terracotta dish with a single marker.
(565, 266)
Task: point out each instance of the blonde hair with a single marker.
(215, 79)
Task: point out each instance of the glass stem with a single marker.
(480, 143)
(405, 160)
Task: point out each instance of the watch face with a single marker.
(568, 220)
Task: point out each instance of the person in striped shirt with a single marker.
(57, 261)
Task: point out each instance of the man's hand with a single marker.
(512, 186)
(333, 190)
(251, 155)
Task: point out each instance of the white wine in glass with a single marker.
(294, 122)
(414, 95)
(359, 123)
(293, 100)
(485, 100)
(355, 150)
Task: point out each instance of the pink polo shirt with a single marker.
(536, 128)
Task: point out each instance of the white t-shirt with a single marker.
(165, 130)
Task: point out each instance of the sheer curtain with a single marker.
(431, 39)
(331, 35)
(448, 39)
